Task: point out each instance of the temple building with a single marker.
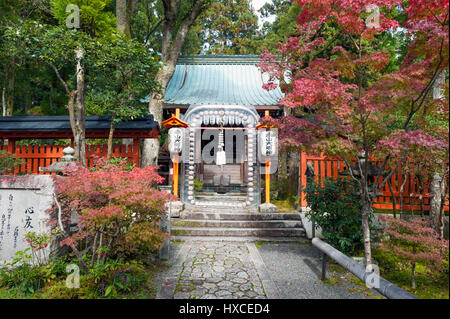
(220, 100)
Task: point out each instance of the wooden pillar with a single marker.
(12, 150)
(11, 145)
(175, 163)
(175, 175)
(267, 181)
(136, 151)
(302, 177)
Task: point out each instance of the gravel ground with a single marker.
(293, 267)
(296, 269)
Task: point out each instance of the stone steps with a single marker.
(224, 223)
(217, 195)
(208, 207)
(234, 214)
(207, 198)
(179, 238)
(236, 223)
(238, 232)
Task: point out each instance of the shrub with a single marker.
(38, 244)
(8, 162)
(198, 185)
(414, 241)
(116, 208)
(21, 274)
(59, 290)
(335, 207)
(114, 277)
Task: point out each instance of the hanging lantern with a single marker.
(176, 139)
(221, 156)
(268, 142)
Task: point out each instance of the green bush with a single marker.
(445, 263)
(8, 162)
(336, 208)
(20, 274)
(198, 186)
(116, 276)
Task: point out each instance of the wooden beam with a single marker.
(267, 181)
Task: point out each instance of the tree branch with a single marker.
(58, 75)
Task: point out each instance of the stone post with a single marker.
(67, 160)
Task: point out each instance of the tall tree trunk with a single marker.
(80, 117)
(151, 146)
(123, 23)
(438, 190)
(394, 201)
(110, 140)
(172, 42)
(10, 86)
(366, 211)
(435, 202)
(77, 113)
(124, 14)
(441, 212)
(401, 193)
(3, 102)
(413, 269)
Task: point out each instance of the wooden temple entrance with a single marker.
(231, 176)
(220, 153)
(218, 101)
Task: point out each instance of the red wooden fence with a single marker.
(414, 196)
(36, 156)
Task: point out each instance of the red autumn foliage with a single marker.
(414, 241)
(346, 100)
(349, 95)
(118, 210)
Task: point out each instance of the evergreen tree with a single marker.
(226, 27)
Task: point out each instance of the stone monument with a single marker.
(23, 204)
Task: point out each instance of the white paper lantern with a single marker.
(268, 143)
(175, 139)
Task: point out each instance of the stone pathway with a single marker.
(221, 269)
(218, 269)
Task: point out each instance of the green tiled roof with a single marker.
(219, 80)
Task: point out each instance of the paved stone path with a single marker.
(212, 269)
(217, 269)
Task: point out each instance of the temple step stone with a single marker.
(236, 215)
(236, 223)
(238, 232)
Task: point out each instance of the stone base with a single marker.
(268, 208)
(175, 208)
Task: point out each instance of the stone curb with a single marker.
(167, 288)
(269, 286)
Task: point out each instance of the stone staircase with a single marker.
(212, 199)
(234, 223)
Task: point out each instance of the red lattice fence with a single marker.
(415, 196)
(36, 156)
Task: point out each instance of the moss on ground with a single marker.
(284, 206)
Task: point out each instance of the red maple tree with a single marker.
(345, 102)
(117, 210)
